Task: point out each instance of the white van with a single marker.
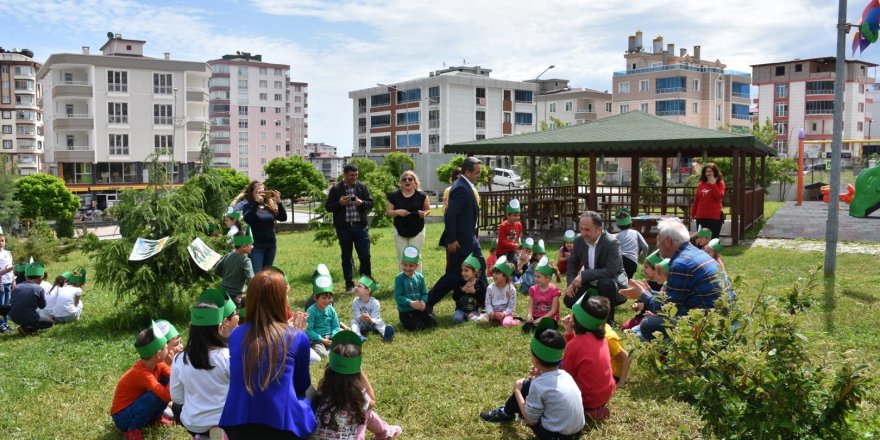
(505, 177)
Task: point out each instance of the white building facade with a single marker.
(21, 117)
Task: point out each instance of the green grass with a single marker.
(59, 384)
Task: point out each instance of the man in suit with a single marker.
(599, 253)
(350, 202)
(460, 232)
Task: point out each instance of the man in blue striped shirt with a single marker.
(692, 282)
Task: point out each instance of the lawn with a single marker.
(59, 384)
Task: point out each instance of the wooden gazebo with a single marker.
(631, 135)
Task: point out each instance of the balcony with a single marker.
(362, 129)
(672, 90)
(585, 115)
(196, 95)
(74, 153)
(26, 162)
(434, 124)
(820, 111)
(739, 116)
(739, 95)
(72, 89)
(670, 113)
(26, 145)
(820, 92)
(74, 121)
(682, 67)
(481, 125)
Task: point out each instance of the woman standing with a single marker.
(260, 210)
(408, 206)
(707, 200)
(269, 368)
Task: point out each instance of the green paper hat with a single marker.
(541, 351)
(159, 342)
(322, 284)
(244, 237)
(218, 298)
(538, 248)
(528, 243)
(34, 269)
(344, 364)
(69, 276)
(622, 217)
(715, 243)
(321, 270)
(167, 329)
(704, 233)
(653, 258)
(78, 276)
(19, 268)
(502, 266)
(544, 267)
(235, 215)
(207, 316)
(212, 227)
(410, 255)
(664, 265)
(584, 318)
(569, 236)
(472, 261)
(369, 283)
(513, 207)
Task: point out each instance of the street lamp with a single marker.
(535, 98)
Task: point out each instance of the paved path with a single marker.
(814, 245)
(808, 221)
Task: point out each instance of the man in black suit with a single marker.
(350, 202)
(460, 232)
(599, 254)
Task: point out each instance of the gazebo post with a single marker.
(663, 187)
(532, 171)
(576, 193)
(742, 184)
(634, 186)
(735, 208)
(763, 184)
(591, 198)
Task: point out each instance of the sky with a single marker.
(342, 45)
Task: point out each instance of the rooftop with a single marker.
(688, 67)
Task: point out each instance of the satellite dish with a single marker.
(109, 35)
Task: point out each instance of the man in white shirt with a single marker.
(599, 253)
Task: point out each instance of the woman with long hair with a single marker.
(706, 209)
(269, 368)
(408, 207)
(260, 209)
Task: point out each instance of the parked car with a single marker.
(505, 177)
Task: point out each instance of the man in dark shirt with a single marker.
(350, 202)
(27, 298)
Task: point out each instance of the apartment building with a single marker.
(571, 106)
(20, 115)
(315, 148)
(106, 114)
(681, 87)
(454, 104)
(250, 112)
(799, 94)
(298, 106)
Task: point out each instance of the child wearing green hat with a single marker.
(548, 400)
(344, 400)
(713, 248)
(470, 297)
(587, 358)
(510, 232)
(235, 268)
(411, 293)
(323, 322)
(365, 309)
(543, 296)
(565, 251)
(27, 298)
(233, 221)
(68, 301)
(528, 265)
(501, 295)
(142, 393)
(702, 237)
(632, 244)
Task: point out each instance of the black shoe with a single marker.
(497, 415)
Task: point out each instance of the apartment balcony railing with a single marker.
(117, 119)
(672, 90)
(76, 148)
(380, 125)
(682, 67)
(670, 113)
(739, 95)
(76, 83)
(820, 92)
(585, 110)
(75, 116)
(738, 116)
(820, 111)
(434, 124)
(362, 109)
(481, 124)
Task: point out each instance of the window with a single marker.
(163, 143)
(278, 148)
(718, 113)
(219, 94)
(608, 107)
(278, 110)
(379, 100)
(277, 123)
(264, 135)
(820, 88)
(262, 148)
(162, 84)
(798, 67)
(781, 109)
(739, 111)
(380, 142)
(118, 145)
(523, 118)
(242, 84)
(117, 81)
(243, 136)
(242, 162)
(7, 144)
(780, 70)
(434, 95)
(77, 172)
(780, 146)
(243, 150)
(277, 72)
(117, 112)
(781, 91)
(623, 87)
(7, 114)
(860, 126)
(264, 71)
(162, 114)
(264, 84)
(262, 122)
(242, 111)
(219, 108)
(264, 96)
(820, 107)
(380, 121)
(861, 107)
(671, 84)
(242, 123)
(278, 136)
(624, 108)
(409, 140)
(262, 161)
(814, 126)
(278, 85)
(279, 97)
(262, 109)
(297, 109)
(552, 107)
(696, 85)
(297, 99)
(862, 87)
(644, 107)
(781, 128)
(696, 108)
(408, 118)
(568, 106)
(411, 95)
(643, 85)
(672, 107)
(24, 84)
(242, 71)
(523, 96)
(740, 90)
(7, 129)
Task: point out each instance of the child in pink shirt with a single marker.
(543, 296)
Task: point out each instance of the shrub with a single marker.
(64, 227)
(38, 242)
(749, 374)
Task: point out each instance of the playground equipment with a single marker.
(846, 197)
(866, 198)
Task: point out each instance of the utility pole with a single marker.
(837, 137)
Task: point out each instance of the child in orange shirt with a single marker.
(142, 393)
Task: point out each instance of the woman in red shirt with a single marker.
(707, 200)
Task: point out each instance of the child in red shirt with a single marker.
(586, 356)
(565, 251)
(510, 233)
(142, 393)
(490, 261)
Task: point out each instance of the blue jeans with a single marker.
(354, 237)
(263, 257)
(459, 316)
(5, 291)
(144, 410)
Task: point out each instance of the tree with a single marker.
(444, 172)
(10, 207)
(396, 163)
(363, 165)
(293, 177)
(43, 195)
(235, 181)
(783, 171)
(553, 125)
(765, 133)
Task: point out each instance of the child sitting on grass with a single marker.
(620, 359)
(713, 248)
(365, 315)
(27, 298)
(322, 322)
(527, 280)
(235, 268)
(521, 263)
(702, 237)
(51, 297)
(68, 304)
(471, 295)
(490, 261)
(549, 400)
(649, 268)
(543, 297)
(587, 358)
(344, 400)
(169, 331)
(565, 251)
(142, 393)
(411, 294)
(501, 295)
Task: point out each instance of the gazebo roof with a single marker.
(632, 133)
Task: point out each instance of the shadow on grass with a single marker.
(829, 302)
(859, 296)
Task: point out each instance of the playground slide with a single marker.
(867, 196)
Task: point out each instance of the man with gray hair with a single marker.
(599, 254)
(692, 281)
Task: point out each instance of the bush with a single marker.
(38, 242)
(749, 374)
(64, 227)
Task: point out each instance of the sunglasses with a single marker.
(407, 179)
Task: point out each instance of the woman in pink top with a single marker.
(706, 208)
